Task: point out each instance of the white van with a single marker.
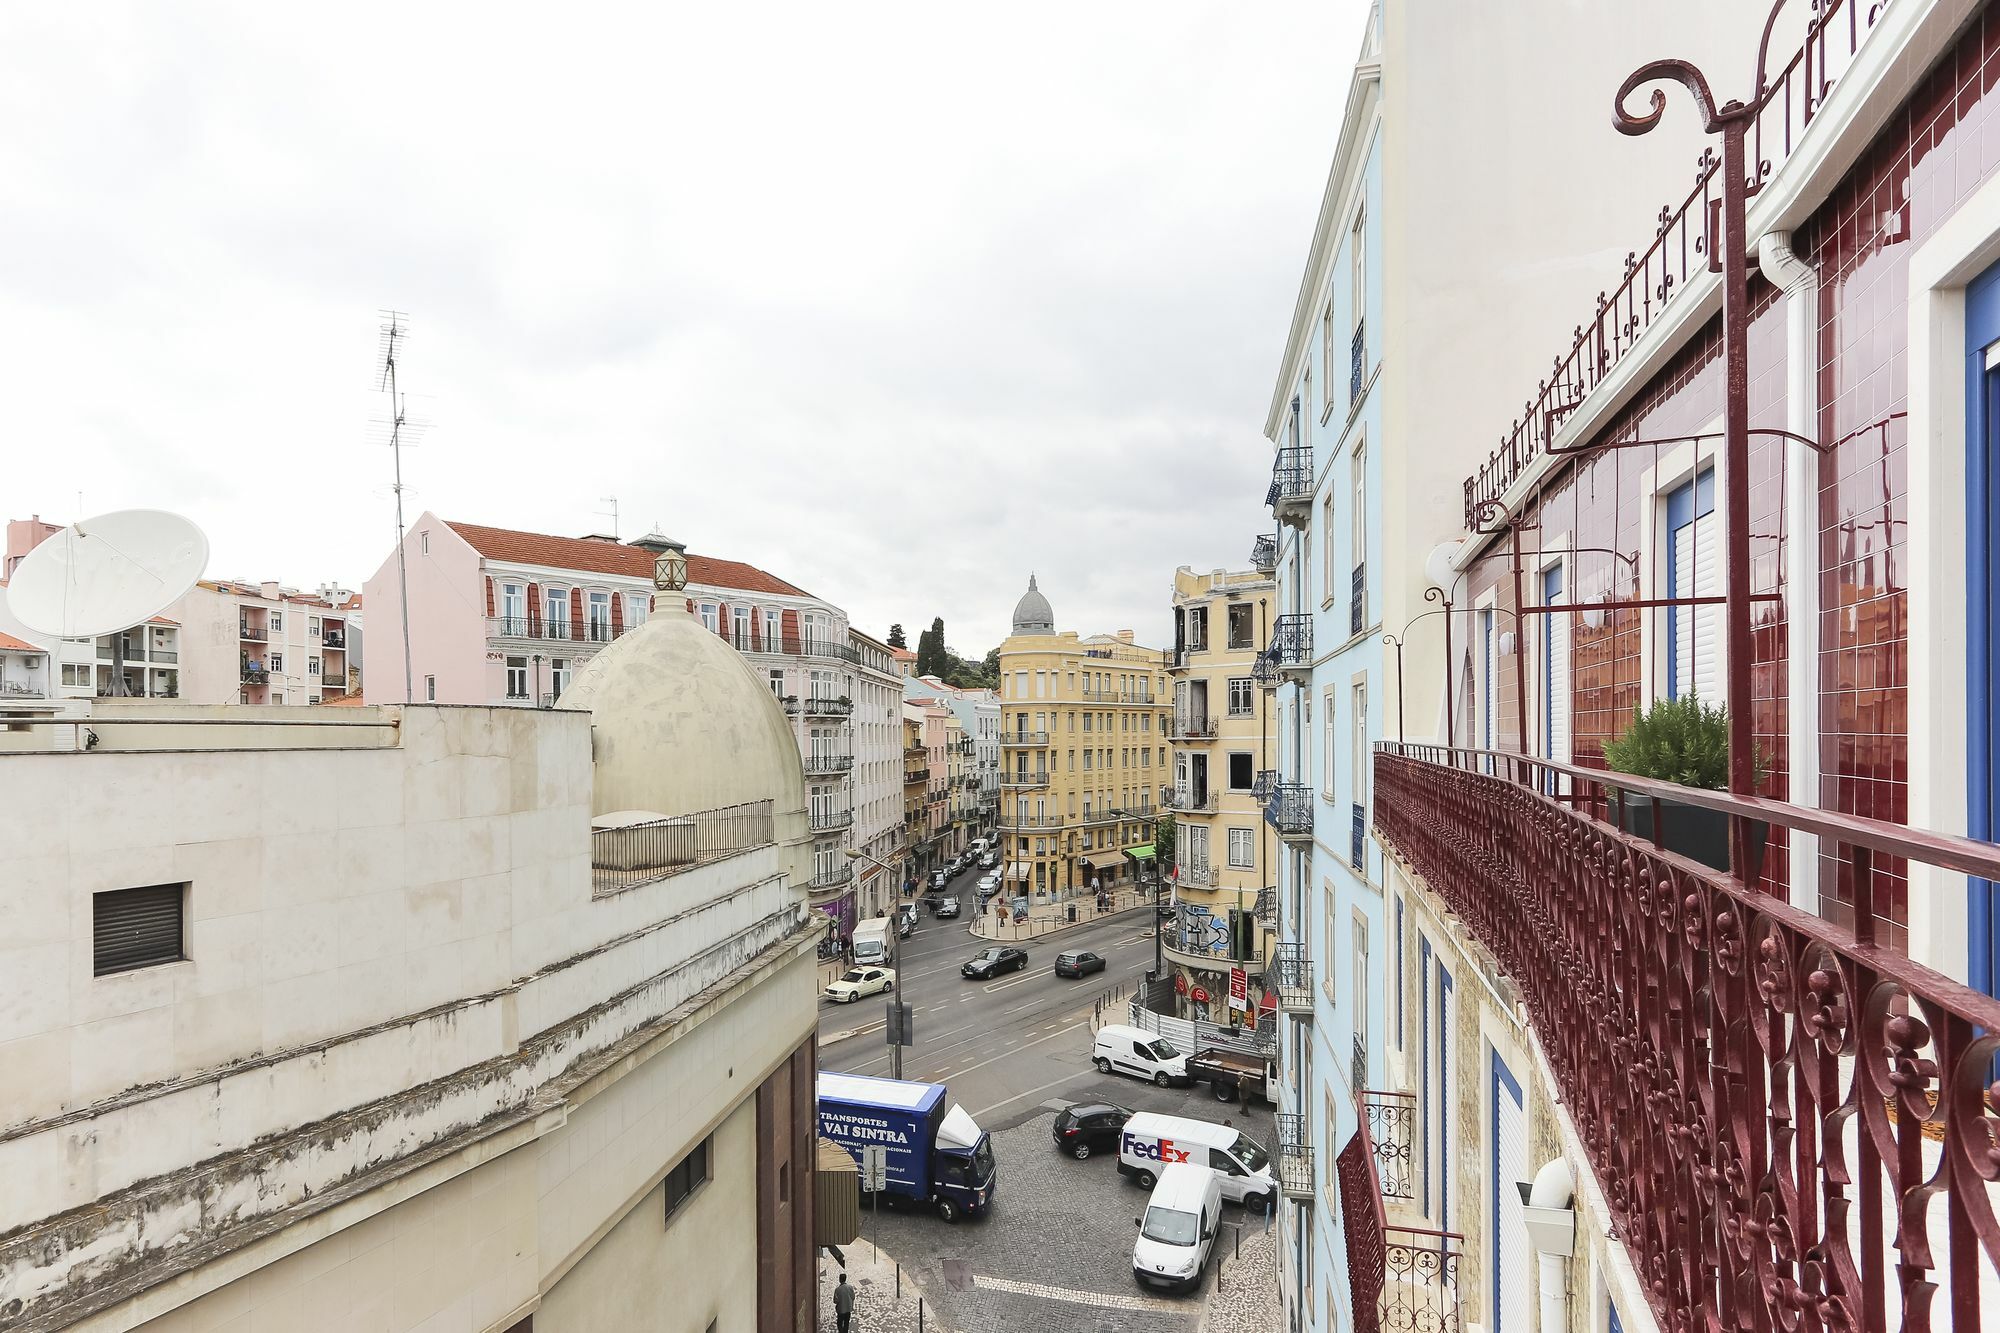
(872, 942)
(1177, 1233)
(1142, 1054)
(1150, 1145)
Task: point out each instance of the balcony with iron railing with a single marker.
(1092, 694)
(1357, 363)
(827, 820)
(913, 776)
(1391, 1118)
(789, 646)
(1290, 493)
(335, 640)
(1013, 738)
(1290, 811)
(1291, 646)
(1024, 781)
(251, 633)
(1267, 905)
(1399, 1278)
(1291, 977)
(1264, 672)
(1199, 937)
(1295, 1158)
(255, 676)
(1192, 727)
(828, 763)
(1676, 271)
(817, 705)
(1264, 553)
(1705, 1034)
(561, 629)
(828, 880)
(1008, 821)
(1264, 784)
(1191, 800)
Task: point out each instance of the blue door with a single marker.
(1982, 611)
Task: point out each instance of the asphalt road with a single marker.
(1002, 1046)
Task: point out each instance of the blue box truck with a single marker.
(937, 1158)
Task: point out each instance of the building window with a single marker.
(134, 928)
(1197, 628)
(777, 679)
(688, 1175)
(559, 675)
(517, 678)
(598, 622)
(555, 613)
(1242, 629)
(1358, 725)
(638, 606)
(277, 621)
(430, 689)
(739, 617)
(1328, 752)
(312, 666)
(1242, 849)
(424, 542)
(277, 664)
(312, 627)
(1241, 770)
(1694, 569)
(1329, 355)
(1242, 698)
(76, 674)
(277, 696)
(513, 609)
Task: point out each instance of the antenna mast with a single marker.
(611, 513)
(394, 330)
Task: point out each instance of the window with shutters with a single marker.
(133, 928)
(1694, 569)
(688, 1175)
(1555, 669)
(1242, 698)
(1242, 849)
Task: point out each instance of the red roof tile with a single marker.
(162, 620)
(12, 644)
(535, 548)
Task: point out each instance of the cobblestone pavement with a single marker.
(1056, 1250)
(1246, 1299)
(878, 1306)
(1052, 918)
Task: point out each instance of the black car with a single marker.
(1078, 962)
(946, 907)
(1079, 1129)
(993, 962)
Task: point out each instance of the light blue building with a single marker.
(1324, 662)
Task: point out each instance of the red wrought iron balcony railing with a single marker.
(1403, 1279)
(1391, 1118)
(1798, 1103)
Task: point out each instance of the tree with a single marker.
(933, 659)
(896, 639)
(1163, 842)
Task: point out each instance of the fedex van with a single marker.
(1150, 1143)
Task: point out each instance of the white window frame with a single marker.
(1242, 849)
(555, 613)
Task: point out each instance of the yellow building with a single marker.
(1083, 736)
(1220, 743)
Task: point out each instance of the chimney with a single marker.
(269, 588)
(1123, 636)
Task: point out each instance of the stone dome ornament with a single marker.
(670, 568)
(1032, 614)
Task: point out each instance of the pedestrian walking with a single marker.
(843, 1302)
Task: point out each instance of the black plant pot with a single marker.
(1693, 831)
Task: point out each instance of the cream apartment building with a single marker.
(1220, 744)
(1083, 737)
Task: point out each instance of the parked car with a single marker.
(1177, 1234)
(989, 885)
(1137, 1052)
(856, 982)
(939, 879)
(993, 962)
(1077, 963)
(946, 907)
(906, 920)
(1080, 1130)
(989, 861)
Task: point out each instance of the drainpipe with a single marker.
(1800, 283)
(1552, 1230)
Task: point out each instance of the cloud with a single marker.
(899, 301)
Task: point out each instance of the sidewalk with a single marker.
(1246, 1282)
(877, 1308)
(1049, 918)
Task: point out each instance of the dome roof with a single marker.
(1032, 614)
(680, 723)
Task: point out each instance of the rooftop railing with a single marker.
(1795, 1100)
(635, 854)
(1684, 241)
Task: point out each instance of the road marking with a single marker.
(1003, 985)
(1022, 1047)
(1081, 1073)
(1101, 1300)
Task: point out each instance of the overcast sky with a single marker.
(895, 301)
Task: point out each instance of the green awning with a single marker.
(1144, 852)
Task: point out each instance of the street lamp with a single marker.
(895, 1044)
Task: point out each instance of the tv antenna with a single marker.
(106, 574)
(394, 330)
(611, 513)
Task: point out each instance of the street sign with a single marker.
(901, 1029)
(1239, 988)
(874, 1168)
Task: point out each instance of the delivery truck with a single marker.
(936, 1158)
(874, 941)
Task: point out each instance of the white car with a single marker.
(988, 885)
(859, 981)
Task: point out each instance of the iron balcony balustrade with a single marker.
(1267, 905)
(1291, 646)
(256, 676)
(814, 705)
(563, 629)
(1195, 877)
(1142, 809)
(830, 821)
(916, 754)
(1024, 780)
(913, 776)
(787, 646)
(1291, 976)
(1011, 738)
(1192, 727)
(827, 880)
(1391, 1118)
(1290, 811)
(1295, 1158)
(1097, 696)
(1264, 672)
(1357, 852)
(1753, 1083)
(829, 763)
(335, 639)
(1189, 800)
(1357, 365)
(1290, 494)
(1264, 554)
(254, 635)
(1264, 784)
(1031, 821)
(1107, 815)
(1399, 1278)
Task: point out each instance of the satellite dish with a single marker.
(107, 573)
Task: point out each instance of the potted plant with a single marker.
(1683, 741)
